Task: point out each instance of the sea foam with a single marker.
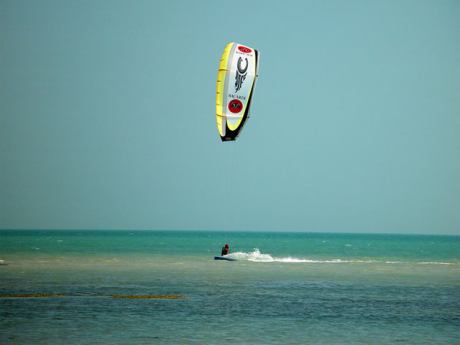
(257, 256)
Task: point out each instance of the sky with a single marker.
(107, 116)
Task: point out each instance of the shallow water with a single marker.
(295, 288)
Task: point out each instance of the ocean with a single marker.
(164, 287)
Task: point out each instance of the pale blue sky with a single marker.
(107, 116)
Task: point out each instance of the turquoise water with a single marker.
(285, 288)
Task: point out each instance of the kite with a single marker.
(236, 79)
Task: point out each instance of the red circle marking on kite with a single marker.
(235, 106)
(244, 49)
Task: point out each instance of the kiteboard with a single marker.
(223, 257)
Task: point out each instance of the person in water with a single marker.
(225, 250)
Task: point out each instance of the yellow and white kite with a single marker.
(236, 79)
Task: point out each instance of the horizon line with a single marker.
(239, 230)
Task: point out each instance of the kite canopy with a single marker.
(236, 79)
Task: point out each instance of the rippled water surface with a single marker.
(284, 288)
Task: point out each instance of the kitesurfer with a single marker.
(225, 250)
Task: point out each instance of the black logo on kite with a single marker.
(235, 106)
(240, 73)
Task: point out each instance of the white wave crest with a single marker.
(435, 263)
(257, 256)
